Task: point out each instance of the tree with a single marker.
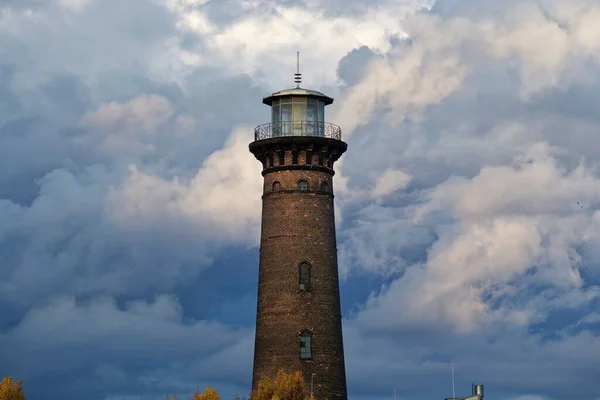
(208, 394)
(11, 389)
(285, 387)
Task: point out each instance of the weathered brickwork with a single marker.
(298, 226)
(288, 181)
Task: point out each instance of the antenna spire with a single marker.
(297, 75)
(453, 392)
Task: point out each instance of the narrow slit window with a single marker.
(276, 186)
(304, 276)
(305, 346)
(302, 186)
(309, 156)
(324, 187)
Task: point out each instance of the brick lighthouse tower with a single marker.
(298, 321)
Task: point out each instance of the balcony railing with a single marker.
(298, 128)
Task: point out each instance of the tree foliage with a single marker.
(11, 389)
(208, 394)
(284, 387)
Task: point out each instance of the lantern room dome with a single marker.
(298, 92)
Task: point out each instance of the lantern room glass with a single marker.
(297, 116)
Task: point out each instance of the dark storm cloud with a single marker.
(10, 102)
(96, 347)
(79, 280)
(352, 66)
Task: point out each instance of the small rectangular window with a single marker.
(304, 276)
(312, 118)
(286, 119)
(305, 350)
(275, 118)
(321, 126)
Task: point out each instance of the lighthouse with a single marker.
(298, 320)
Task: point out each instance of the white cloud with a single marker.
(533, 185)
(131, 128)
(512, 229)
(74, 5)
(223, 197)
(442, 52)
(144, 114)
(390, 181)
(249, 45)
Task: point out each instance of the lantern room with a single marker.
(297, 112)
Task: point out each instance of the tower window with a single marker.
(309, 156)
(305, 345)
(276, 186)
(304, 282)
(302, 186)
(324, 187)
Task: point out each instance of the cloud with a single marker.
(246, 43)
(73, 5)
(144, 113)
(85, 234)
(109, 340)
(389, 182)
(505, 232)
(490, 240)
(440, 54)
(466, 203)
(211, 197)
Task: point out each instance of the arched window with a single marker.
(302, 186)
(304, 271)
(305, 345)
(324, 186)
(276, 186)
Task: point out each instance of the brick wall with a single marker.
(297, 227)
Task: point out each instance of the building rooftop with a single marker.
(477, 391)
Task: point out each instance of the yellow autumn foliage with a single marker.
(284, 387)
(11, 389)
(208, 394)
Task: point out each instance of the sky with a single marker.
(466, 205)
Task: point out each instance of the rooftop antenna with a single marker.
(297, 75)
(453, 392)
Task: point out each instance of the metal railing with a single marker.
(298, 128)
